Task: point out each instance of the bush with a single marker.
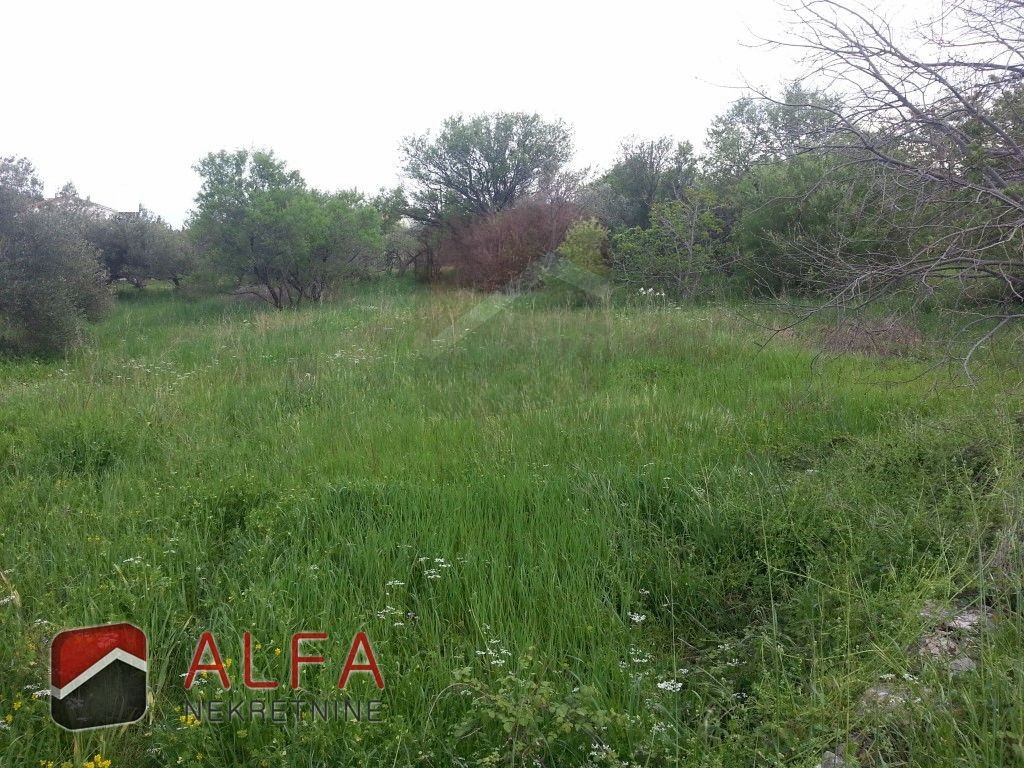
(677, 253)
(490, 252)
(586, 246)
(578, 276)
(804, 221)
(50, 284)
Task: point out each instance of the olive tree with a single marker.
(51, 282)
(136, 247)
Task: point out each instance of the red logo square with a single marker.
(98, 676)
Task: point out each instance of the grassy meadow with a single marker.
(575, 537)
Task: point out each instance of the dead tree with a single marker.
(935, 116)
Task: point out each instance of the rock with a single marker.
(936, 612)
(886, 697)
(831, 760)
(946, 618)
(962, 664)
(971, 619)
(939, 645)
(953, 636)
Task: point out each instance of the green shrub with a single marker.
(677, 253)
(50, 284)
(577, 277)
(586, 246)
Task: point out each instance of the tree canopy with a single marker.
(482, 164)
(269, 234)
(51, 281)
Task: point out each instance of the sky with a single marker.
(123, 98)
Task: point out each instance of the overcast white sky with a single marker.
(123, 97)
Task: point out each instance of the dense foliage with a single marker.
(51, 281)
(483, 164)
(139, 246)
(267, 233)
(492, 251)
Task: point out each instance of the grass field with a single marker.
(574, 537)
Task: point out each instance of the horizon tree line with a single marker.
(895, 164)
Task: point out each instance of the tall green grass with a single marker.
(535, 525)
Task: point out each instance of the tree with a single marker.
(481, 165)
(137, 247)
(266, 231)
(391, 205)
(677, 251)
(764, 192)
(807, 203)
(586, 245)
(402, 238)
(645, 173)
(231, 181)
(174, 257)
(402, 248)
(578, 275)
(50, 280)
(755, 131)
(346, 241)
(938, 113)
(20, 187)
